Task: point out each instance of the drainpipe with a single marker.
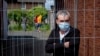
(75, 13)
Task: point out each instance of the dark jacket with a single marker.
(58, 49)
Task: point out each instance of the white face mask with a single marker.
(64, 26)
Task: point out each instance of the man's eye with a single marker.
(61, 20)
(64, 20)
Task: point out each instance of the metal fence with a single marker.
(23, 46)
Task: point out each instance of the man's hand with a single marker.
(54, 43)
(66, 44)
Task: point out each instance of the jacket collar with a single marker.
(58, 35)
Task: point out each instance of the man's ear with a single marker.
(57, 21)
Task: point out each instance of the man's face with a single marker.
(62, 18)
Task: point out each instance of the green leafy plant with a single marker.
(38, 10)
(18, 14)
(45, 27)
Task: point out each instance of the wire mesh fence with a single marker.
(27, 41)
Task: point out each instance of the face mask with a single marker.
(64, 26)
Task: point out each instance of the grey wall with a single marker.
(5, 19)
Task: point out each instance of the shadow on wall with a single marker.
(23, 46)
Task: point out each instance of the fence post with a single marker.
(52, 19)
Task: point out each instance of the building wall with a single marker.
(89, 24)
(32, 1)
(14, 6)
(18, 5)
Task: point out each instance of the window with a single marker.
(23, 5)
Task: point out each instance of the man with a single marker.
(39, 21)
(35, 21)
(63, 40)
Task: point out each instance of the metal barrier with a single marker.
(23, 46)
